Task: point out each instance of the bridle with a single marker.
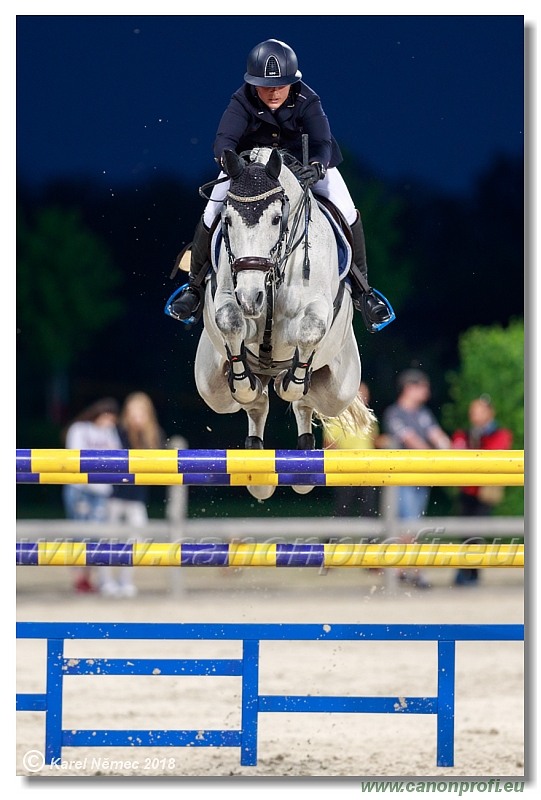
(270, 265)
(274, 266)
(286, 241)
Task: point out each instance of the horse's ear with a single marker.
(233, 164)
(274, 165)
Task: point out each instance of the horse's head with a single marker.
(254, 224)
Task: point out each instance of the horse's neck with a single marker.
(291, 187)
(295, 195)
(312, 270)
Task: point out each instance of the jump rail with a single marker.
(241, 468)
(273, 467)
(240, 554)
(247, 668)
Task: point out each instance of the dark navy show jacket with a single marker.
(247, 123)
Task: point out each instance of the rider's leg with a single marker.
(372, 307)
(189, 302)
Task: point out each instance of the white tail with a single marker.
(356, 419)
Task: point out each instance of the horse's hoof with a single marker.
(302, 489)
(262, 492)
(245, 396)
(306, 441)
(253, 443)
(294, 391)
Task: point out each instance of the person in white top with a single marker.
(93, 429)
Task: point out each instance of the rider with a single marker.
(273, 108)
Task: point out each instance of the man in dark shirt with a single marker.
(410, 424)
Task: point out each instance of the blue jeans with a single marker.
(412, 501)
(82, 504)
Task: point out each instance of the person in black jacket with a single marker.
(273, 108)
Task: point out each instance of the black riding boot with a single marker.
(373, 308)
(190, 302)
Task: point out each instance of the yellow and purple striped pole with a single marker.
(242, 554)
(273, 467)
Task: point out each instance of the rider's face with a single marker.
(272, 96)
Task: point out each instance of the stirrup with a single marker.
(171, 313)
(374, 327)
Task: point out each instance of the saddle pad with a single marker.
(215, 245)
(342, 244)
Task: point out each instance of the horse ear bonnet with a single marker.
(274, 164)
(255, 181)
(234, 165)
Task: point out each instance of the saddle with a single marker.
(342, 233)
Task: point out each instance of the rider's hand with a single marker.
(311, 173)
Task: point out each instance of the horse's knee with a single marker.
(312, 329)
(229, 320)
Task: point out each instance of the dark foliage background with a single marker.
(446, 263)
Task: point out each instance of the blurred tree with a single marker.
(491, 362)
(66, 284)
(446, 263)
(392, 268)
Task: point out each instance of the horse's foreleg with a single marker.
(257, 413)
(305, 438)
(294, 382)
(210, 378)
(243, 384)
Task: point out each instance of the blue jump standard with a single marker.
(247, 667)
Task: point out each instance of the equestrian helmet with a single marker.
(272, 63)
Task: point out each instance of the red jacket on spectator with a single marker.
(493, 438)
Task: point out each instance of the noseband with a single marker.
(252, 262)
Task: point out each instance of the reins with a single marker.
(211, 185)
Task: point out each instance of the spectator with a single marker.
(354, 501)
(138, 429)
(93, 429)
(483, 433)
(410, 424)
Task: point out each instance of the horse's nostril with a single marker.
(251, 302)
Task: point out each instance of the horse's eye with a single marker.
(276, 219)
(227, 220)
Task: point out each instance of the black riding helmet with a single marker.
(272, 63)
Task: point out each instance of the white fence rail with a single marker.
(177, 527)
(316, 528)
